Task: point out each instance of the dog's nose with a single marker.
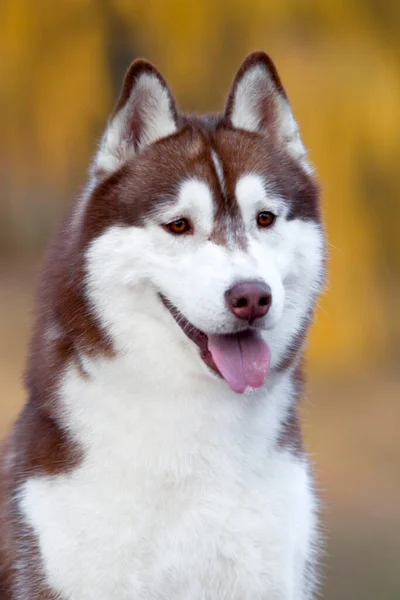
(249, 299)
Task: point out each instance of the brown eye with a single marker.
(179, 226)
(266, 219)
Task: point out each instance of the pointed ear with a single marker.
(145, 112)
(258, 102)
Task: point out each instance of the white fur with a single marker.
(247, 111)
(155, 104)
(219, 170)
(194, 201)
(291, 252)
(180, 495)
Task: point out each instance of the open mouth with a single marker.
(241, 359)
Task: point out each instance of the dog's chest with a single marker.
(234, 539)
(198, 514)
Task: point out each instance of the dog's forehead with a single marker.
(233, 169)
(216, 160)
(241, 168)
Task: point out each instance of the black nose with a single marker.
(249, 300)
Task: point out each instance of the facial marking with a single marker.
(249, 189)
(253, 197)
(220, 171)
(195, 201)
(229, 228)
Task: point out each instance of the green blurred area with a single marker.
(61, 68)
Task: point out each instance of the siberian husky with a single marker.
(159, 454)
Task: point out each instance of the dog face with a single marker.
(209, 226)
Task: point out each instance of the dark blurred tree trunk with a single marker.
(121, 48)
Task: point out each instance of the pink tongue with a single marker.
(242, 359)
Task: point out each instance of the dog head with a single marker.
(209, 226)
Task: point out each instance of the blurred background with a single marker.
(61, 68)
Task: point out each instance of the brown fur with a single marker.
(290, 437)
(38, 446)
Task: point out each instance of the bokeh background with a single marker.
(60, 70)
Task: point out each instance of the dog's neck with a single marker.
(110, 405)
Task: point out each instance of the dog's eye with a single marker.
(265, 219)
(179, 226)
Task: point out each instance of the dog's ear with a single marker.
(145, 112)
(258, 102)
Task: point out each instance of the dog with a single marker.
(159, 454)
